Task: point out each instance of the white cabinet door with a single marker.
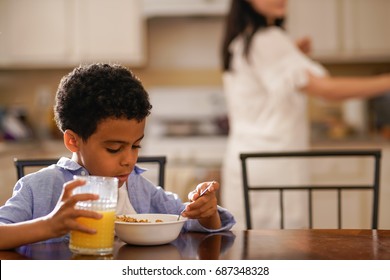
(367, 28)
(65, 33)
(317, 19)
(343, 30)
(34, 32)
(110, 31)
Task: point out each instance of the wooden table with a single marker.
(251, 244)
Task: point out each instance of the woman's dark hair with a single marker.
(242, 19)
(93, 93)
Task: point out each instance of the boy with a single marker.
(101, 110)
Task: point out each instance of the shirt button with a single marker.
(83, 173)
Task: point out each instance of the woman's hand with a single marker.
(304, 44)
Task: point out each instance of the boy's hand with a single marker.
(204, 208)
(63, 218)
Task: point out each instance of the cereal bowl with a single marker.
(148, 229)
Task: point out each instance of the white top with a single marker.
(124, 206)
(262, 96)
(266, 110)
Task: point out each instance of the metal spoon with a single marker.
(201, 194)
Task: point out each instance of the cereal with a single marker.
(129, 219)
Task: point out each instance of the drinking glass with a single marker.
(102, 242)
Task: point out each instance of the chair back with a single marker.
(152, 162)
(310, 188)
(22, 165)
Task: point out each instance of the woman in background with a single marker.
(266, 80)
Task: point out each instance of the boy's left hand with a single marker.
(204, 208)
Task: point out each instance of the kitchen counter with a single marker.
(352, 142)
(33, 147)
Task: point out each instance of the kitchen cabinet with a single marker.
(317, 19)
(34, 31)
(110, 31)
(62, 33)
(366, 28)
(343, 30)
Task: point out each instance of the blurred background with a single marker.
(173, 46)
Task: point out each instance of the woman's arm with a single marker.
(339, 88)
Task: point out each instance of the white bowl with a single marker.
(152, 232)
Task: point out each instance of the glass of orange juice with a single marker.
(102, 242)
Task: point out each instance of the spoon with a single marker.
(201, 194)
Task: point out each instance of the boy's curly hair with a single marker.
(93, 93)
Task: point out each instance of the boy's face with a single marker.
(113, 149)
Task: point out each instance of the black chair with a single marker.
(374, 187)
(161, 161)
(22, 164)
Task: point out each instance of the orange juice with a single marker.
(99, 243)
